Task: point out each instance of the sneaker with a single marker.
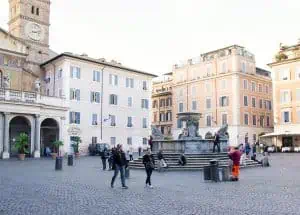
(151, 186)
(124, 187)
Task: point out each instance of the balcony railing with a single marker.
(29, 97)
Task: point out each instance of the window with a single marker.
(169, 116)
(161, 103)
(224, 101)
(145, 85)
(94, 119)
(59, 73)
(154, 104)
(253, 102)
(95, 97)
(145, 124)
(145, 141)
(297, 73)
(194, 105)
(32, 9)
(246, 119)
(161, 117)
(268, 121)
(74, 117)
(261, 121)
(208, 120)
(74, 94)
(180, 107)
(129, 122)
(260, 88)
(113, 80)
(260, 103)
(112, 120)
(113, 99)
(245, 84)
(208, 103)
(285, 96)
(94, 140)
(169, 102)
(253, 86)
(75, 72)
(254, 120)
(224, 67)
(286, 116)
(130, 102)
(223, 84)
(284, 74)
(245, 100)
(145, 103)
(129, 140)
(129, 83)
(96, 76)
(298, 95)
(243, 67)
(179, 123)
(38, 11)
(113, 141)
(267, 89)
(224, 119)
(193, 91)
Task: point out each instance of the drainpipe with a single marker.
(101, 113)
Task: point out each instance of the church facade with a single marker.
(42, 94)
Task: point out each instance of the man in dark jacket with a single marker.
(217, 142)
(119, 159)
(104, 156)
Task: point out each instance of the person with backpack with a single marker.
(119, 159)
(149, 163)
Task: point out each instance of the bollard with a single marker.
(70, 160)
(58, 163)
(214, 172)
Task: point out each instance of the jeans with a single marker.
(218, 146)
(131, 157)
(122, 171)
(149, 173)
(104, 163)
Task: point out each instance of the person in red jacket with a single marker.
(235, 156)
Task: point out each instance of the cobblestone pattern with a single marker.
(33, 187)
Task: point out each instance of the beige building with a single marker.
(226, 88)
(162, 104)
(286, 96)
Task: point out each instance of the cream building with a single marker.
(226, 88)
(286, 96)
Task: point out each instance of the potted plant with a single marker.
(58, 159)
(75, 145)
(22, 145)
(56, 145)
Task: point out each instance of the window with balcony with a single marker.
(129, 122)
(169, 116)
(246, 119)
(74, 94)
(113, 80)
(96, 76)
(245, 101)
(145, 103)
(113, 120)
(75, 72)
(95, 97)
(224, 101)
(113, 99)
(161, 117)
(129, 82)
(145, 124)
(180, 108)
(74, 117)
(254, 120)
(94, 119)
(169, 102)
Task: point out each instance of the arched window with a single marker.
(32, 9)
(38, 11)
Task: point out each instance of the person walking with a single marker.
(235, 155)
(119, 159)
(130, 154)
(217, 142)
(149, 163)
(104, 156)
(247, 149)
(110, 159)
(140, 151)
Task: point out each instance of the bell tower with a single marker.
(29, 20)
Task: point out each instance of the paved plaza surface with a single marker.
(33, 187)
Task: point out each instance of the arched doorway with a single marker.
(49, 134)
(17, 125)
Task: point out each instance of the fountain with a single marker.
(189, 141)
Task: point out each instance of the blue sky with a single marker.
(154, 35)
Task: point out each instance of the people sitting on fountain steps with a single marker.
(149, 163)
(162, 163)
(217, 142)
(235, 155)
(182, 160)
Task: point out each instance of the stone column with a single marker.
(37, 136)
(5, 154)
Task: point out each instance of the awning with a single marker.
(280, 134)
